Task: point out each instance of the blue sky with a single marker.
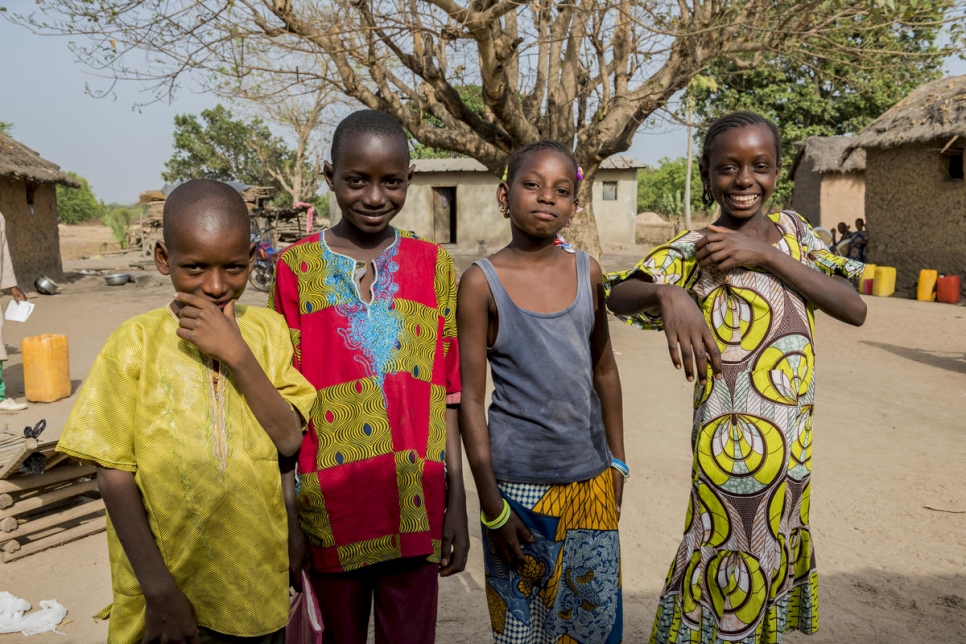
(122, 150)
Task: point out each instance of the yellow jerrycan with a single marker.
(926, 290)
(885, 281)
(46, 367)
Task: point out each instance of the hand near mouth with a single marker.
(727, 249)
(210, 328)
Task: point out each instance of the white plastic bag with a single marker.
(45, 620)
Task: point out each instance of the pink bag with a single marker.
(305, 619)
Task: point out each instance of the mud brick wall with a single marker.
(916, 215)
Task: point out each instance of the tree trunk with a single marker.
(583, 231)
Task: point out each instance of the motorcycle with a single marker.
(266, 254)
(265, 257)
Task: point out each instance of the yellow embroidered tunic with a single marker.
(153, 404)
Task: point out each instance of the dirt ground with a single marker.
(85, 240)
(889, 487)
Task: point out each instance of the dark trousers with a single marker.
(211, 637)
(405, 594)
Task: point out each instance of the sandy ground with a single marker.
(85, 240)
(889, 487)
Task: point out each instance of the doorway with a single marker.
(444, 215)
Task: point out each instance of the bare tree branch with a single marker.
(588, 72)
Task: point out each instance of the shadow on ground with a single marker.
(955, 362)
(894, 609)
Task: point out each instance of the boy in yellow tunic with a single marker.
(186, 412)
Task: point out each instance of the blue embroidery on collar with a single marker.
(373, 329)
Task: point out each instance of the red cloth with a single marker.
(405, 594)
(371, 470)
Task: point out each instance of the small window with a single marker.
(31, 191)
(610, 190)
(953, 163)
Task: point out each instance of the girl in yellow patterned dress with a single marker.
(736, 303)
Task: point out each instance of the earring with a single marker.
(707, 197)
(505, 210)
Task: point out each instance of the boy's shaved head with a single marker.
(204, 204)
(367, 123)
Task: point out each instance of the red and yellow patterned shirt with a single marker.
(372, 483)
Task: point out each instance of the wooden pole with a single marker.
(48, 498)
(55, 519)
(687, 171)
(91, 527)
(50, 477)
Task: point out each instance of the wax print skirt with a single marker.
(570, 588)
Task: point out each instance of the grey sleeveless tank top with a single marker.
(544, 419)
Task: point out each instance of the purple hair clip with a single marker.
(580, 173)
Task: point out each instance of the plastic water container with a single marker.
(46, 367)
(926, 290)
(867, 279)
(868, 273)
(947, 289)
(885, 281)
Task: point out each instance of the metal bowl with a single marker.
(45, 285)
(116, 279)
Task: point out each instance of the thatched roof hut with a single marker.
(827, 154)
(915, 182)
(28, 202)
(20, 162)
(935, 111)
(829, 186)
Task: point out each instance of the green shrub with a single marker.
(119, 220)
(76, 205)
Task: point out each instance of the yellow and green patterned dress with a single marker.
(745, 570)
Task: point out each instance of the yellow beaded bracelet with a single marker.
(498, 522)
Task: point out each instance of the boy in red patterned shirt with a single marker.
(380, 496)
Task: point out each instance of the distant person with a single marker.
(7, 281)
(548, 459)
(841, 245)
(858, 241)
(186, 412)
(739, 298)
(381, 507)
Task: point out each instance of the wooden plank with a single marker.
(52, 520)
(19, 456)
(55, 459)
(93, 526)
(22, 483)
(48, 498)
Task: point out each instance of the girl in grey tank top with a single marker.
(548, 458)
(544, 418)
